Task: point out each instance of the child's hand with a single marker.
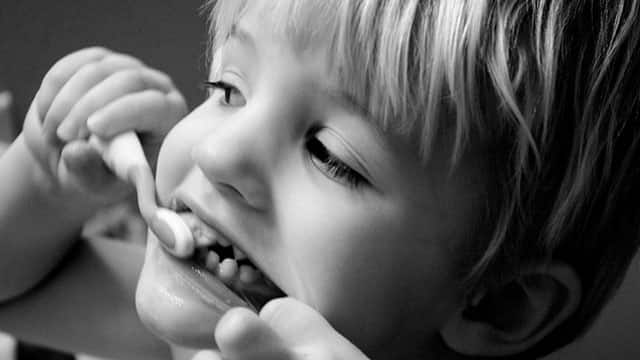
(286, 329)
(108, 93)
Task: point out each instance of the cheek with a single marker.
(361, 265)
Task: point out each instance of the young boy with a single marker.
(436, 179)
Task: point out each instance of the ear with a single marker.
(511, 318)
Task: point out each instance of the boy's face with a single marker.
(334, 212)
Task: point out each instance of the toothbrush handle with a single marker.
(121, 154)
(124, 156)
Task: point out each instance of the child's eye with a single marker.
(232, 96)
(331, 165)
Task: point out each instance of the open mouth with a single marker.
(215, 254)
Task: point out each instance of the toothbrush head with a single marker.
(173, 233)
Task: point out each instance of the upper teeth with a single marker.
(206, 236)
(238, 254)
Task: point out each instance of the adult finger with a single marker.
(147, 111)
(242, 335)
(86, 77)
(124, 82)
(291, 318)
(61, 72)
(207, 355)
(307, 331)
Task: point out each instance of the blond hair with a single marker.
(548, 84)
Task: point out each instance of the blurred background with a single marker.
(170, 35)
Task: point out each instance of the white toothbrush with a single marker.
(123, 154)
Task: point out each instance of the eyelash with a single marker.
(335, 167)
(221, 85)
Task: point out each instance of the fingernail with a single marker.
(173, 233)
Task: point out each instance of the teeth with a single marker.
(238, 254)
(248, 274)
(190, 219)
(212, 261)
(227, 270)
(203, 234)
(176, 205)
(224, 242)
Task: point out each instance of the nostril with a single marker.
(229, 190)
(237, 173)
(247, 193)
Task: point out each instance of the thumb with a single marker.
(305, 328)
(242, 335)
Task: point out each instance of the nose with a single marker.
(238, 157)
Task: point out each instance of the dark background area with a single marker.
(170, 35)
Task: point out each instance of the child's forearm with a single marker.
(37, 223)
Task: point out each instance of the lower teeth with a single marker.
(212, 261)
(227, 269)
(248, 274)
(217, 255)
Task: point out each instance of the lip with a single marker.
(211, 290)
(179, 301)
(201, 212)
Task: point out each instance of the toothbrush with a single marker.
(123, 154)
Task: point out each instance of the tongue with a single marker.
(257, 292)
(246, 281)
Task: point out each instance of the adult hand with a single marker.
(285, 329)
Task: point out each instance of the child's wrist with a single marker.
(74, 204)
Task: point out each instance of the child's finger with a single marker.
(87, 77)
(147, 111)
(82, 165)
(61, 72)
(242, 335)
(124, 82)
